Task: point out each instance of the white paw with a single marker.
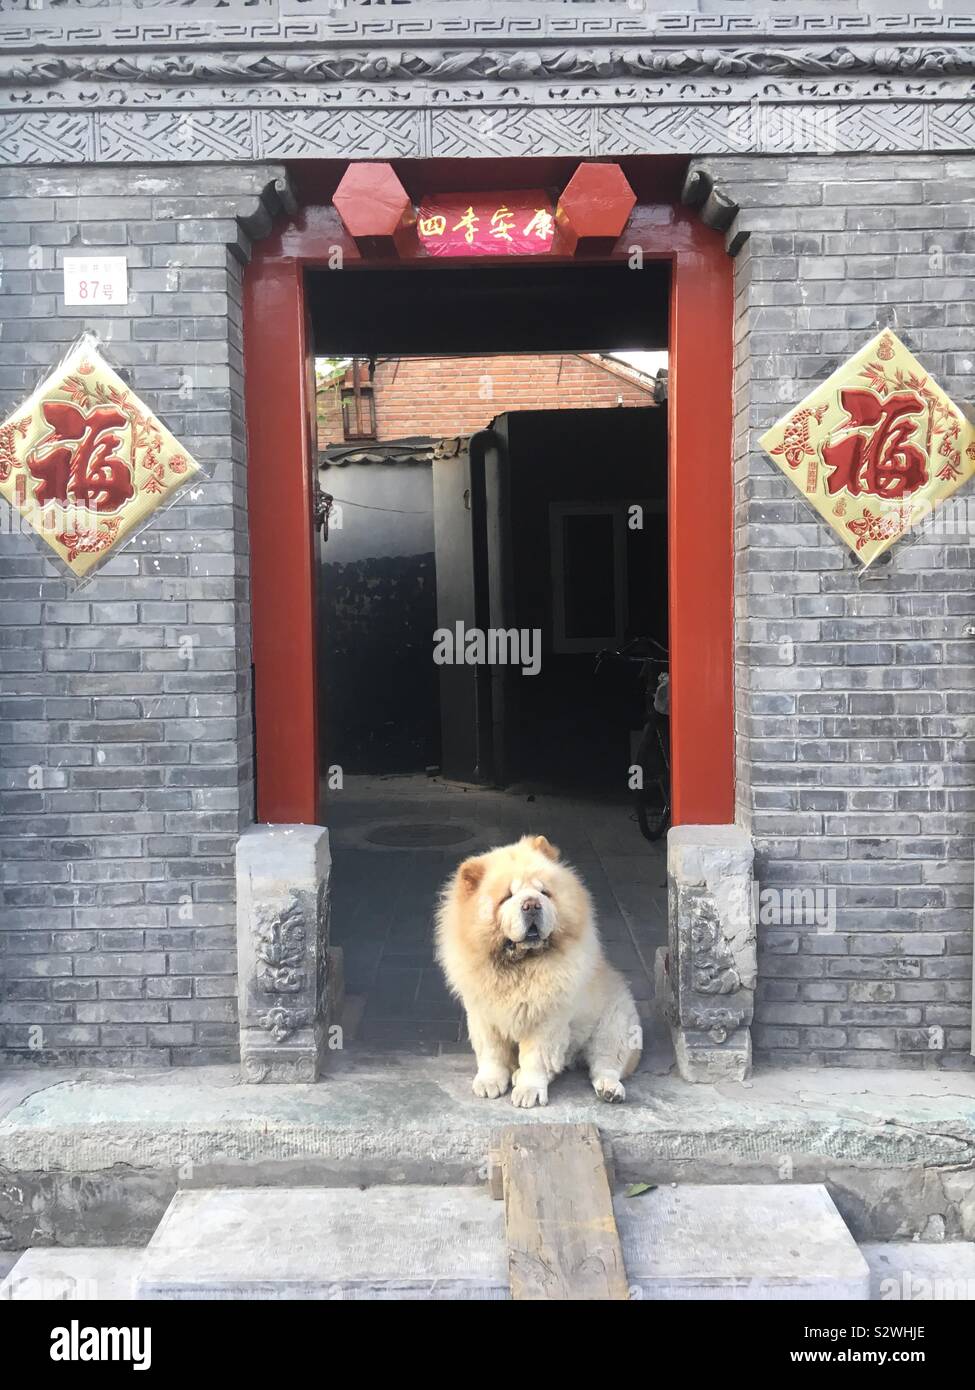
(526, 1096)
(490, 1084)
(609, 1090)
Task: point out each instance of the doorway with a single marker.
(679, 298)
(545, 528)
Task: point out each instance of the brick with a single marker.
(852, 749)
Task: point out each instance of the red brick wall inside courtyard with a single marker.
(458, 395)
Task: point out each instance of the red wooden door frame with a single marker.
(280, 486)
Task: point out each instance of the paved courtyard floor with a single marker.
(396, 839)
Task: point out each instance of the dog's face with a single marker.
(524, 900)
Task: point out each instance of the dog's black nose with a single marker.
(530, 905)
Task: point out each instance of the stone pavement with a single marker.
(384, 893)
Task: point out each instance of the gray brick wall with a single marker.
(855, 692)
(125, 749)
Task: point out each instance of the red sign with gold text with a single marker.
(519, 222)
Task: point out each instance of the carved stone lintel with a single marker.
(183, 81)
(282, 951)
(487, 64)
(237, 125)
(706, 977)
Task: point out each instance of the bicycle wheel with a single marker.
(653, 813)
(653, 798)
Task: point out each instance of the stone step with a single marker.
(89, 1273)
(906, 1270)
(896, 1145)
(323, 1243)
(410, 1242)
(727, 1241)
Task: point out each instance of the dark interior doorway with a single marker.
(383, 699)
(525, 549)
(586, 537)
(549, 521)
(497, 307)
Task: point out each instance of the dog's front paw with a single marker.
(527, 1095)
(610, 1091)
(490, 1084)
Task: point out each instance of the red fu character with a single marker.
(878, 456)
(77, 464)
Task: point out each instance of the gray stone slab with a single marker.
(88, 1273)
(739, 1243)
(914, 1271)
(19, 1083)
(319, 1243)
(723, 1242)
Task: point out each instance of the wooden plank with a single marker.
(558, 1210)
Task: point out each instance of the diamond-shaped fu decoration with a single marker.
(85, 462)
(876, 448)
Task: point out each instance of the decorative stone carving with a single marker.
(713, 966)
(282, 951)
(579, 123)
(260, 79)
(498, 65)
(706, 976)
(281, 1022)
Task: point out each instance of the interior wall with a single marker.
(377, 613)
(562, 727)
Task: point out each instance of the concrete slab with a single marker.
(897, 1150)
(739, 1243)
(915, 1271)
(340, 1243)
(92, 1275)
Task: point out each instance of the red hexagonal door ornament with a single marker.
(375, 209)
(594, 207)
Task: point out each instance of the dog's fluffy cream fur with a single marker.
(517, 940)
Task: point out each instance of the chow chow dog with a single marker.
(517, 941)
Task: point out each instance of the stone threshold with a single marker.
(93, 1158)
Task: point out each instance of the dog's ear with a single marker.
(542, 845)
(470, 874)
